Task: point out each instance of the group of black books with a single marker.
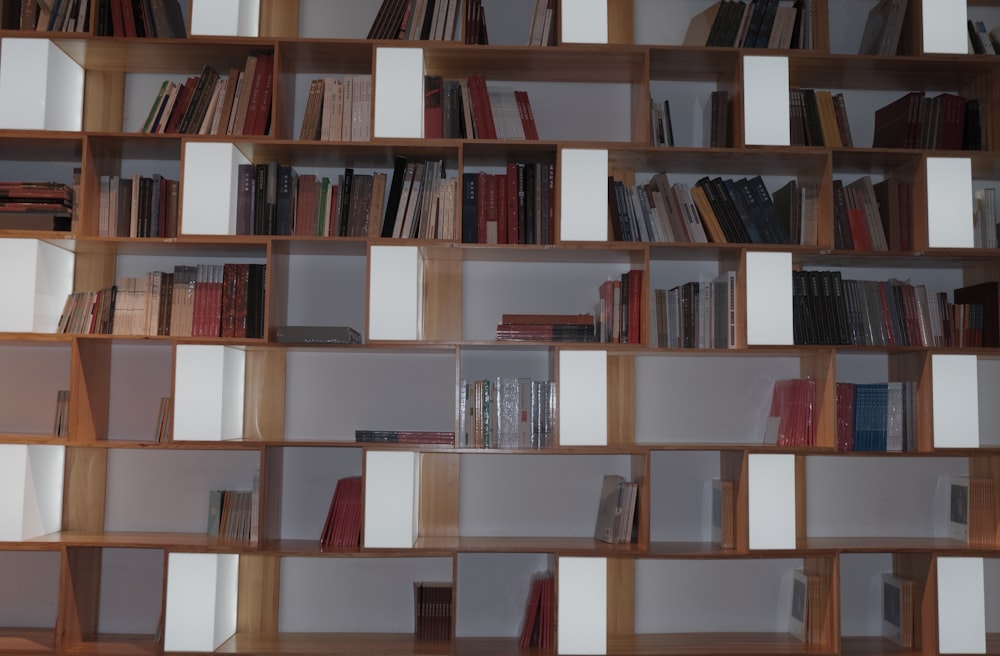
(237, 104)
(405, 437)
(616, 510)
(432, 606)
(434, 20)
(946, 121)
(877, 416)
(697, 314)
(421, 201)
(208, 300)
(883, 28)
(827, 309)
(160, 19)
(753, 24)
(818, 118)
(619, 310)
(740, 211)
(138, 206)
(320, 335)
(36, 206)
(514, 207)
(506, 413)
(232, 514)
(338, 109)
(342, 527)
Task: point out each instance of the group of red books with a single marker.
(539, 621)
(239, 104)
(792, 418)
(620, 309)
(343, 520)
(432, 607)
(546, 328)
(514, 207)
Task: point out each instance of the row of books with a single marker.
(338, 109)
(791, 420)
(543, 23)
(232, 514)
(237, 104)
(60, 425)
(971, 511)
(661, 128)
(810, 600)
(342, 527)
(436, 20)
(538, 625)
(946, 121)
(432, 605)
(404, 437)
(827, 309)
(470, 109)
(877, 416)
(547, 328)
(46, 15)
(618, 311)
(883, 28)
(422, 201)
(506, 413)
(873, 217)
(138, 206)
(164, 416)
(206, 300)
(616, 510)
(897, 609)
(654, 212)
(818, 118)
(160, 19)
(515, 207)
(753, 24)
(986, 218)
(697, 314)
(982, 40)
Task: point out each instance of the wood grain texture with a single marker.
(259, 589)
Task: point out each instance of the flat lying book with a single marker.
(405, 437)
(318, 335)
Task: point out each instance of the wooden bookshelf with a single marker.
(109, 521)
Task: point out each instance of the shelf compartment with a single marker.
(29, 405)
(28, 609)
(115, 600)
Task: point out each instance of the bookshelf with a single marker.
(102, 530)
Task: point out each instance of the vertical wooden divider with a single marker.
(988, 466)
(821, 367)
(621, 598)
(442, 293)
(103, 101)
(79, 596)
(621, 22)
(259, 588)
(279, 19)
(921, 568)
(916, 367)
(439, 494)
(621, 399)
(733, 467)
(827, 568)
(90, 383)
(801, 535)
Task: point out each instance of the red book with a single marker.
(181, 104)
(481, 206)
(117, 21)
(305, 201)
(530, 625)
(859, 229)
(511, 197)
(128, 18)
(433, 111)
(481, 108)
(242, 286)
(265, 66)
(500, 193)
(216, 300)
(845, 417)
(527, 116)
(327, 532)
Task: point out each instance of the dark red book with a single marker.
(481, 206)
(253, 103)
(184, 97)
(500, 194)
(512, 205)
(529, 628)
(897, 125)
(635, 297)
(433, 109)
(527, 116)
(128, 18)
(845, 417)
(242, 287)
(986, 294)
(265, 66)
(481, 108)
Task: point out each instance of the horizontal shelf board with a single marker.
(42, 146)
(873, 646)
(116, 644)
(930, 73)
(888, 545)
(326, 246)
(311, 548)
(330, 643)
(690, 644)
(489, 152)
(107, 149)
(198, 542)
(173, 56)
(693, 64)
(180, 445)
(27, 641)
(562, 546)
(689, 550)
(562, 64)
(322, 57)
(249, 246)
(871, 161)
(29, 438)
(330, 154)
(798, 162)
(937, 258)
(566, 252)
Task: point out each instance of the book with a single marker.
(318, 335)
(897, 609)
(616, 510)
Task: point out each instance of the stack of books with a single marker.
(36, 206)
(791, 420)
(343, 520)
(546, 328)
(405, 437)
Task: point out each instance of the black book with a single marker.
(344, 202)
(395, 193)
(175, 19)
(767, 21)
(470, 207)
(285, 202)
(737, 205)
(841, 223)
(775, 227)
(840, 321)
